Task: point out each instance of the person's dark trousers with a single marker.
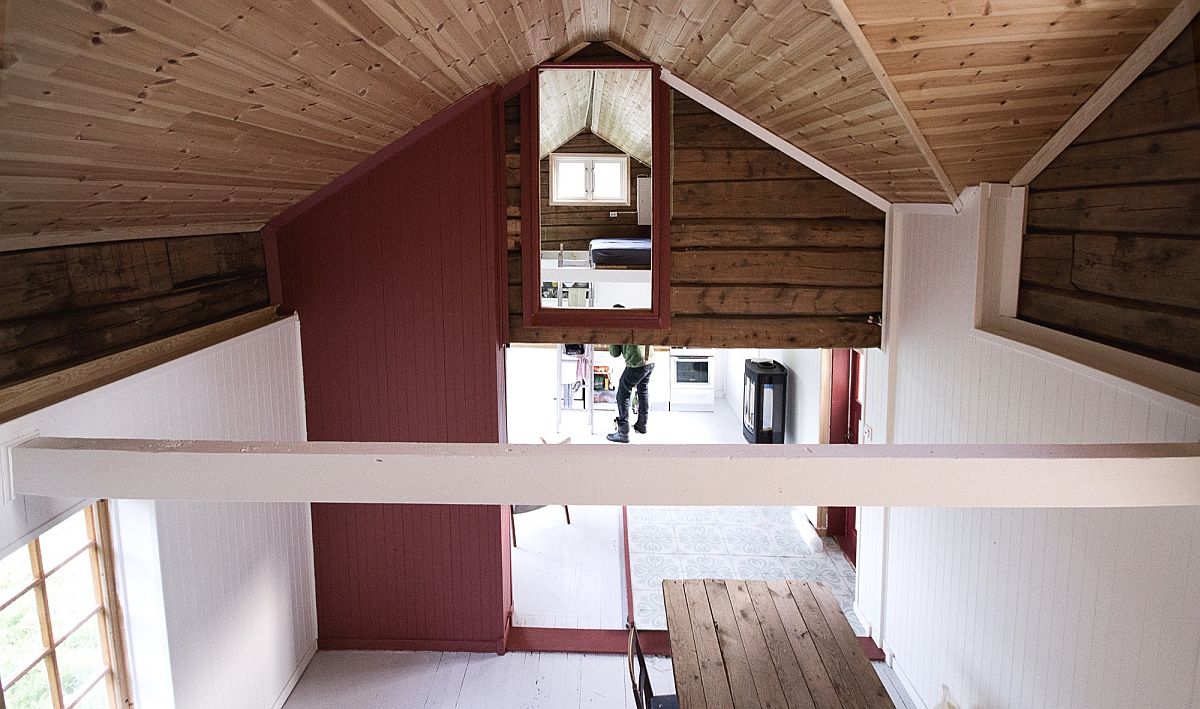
(633, 378)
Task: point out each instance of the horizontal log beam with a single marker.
(1126, 475)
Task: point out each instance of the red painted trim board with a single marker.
(489, 646)
(384, 154)
(610, 642)
(870, 649)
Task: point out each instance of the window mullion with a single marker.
(100, 532)
(43, 606)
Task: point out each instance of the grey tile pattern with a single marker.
(728, 542)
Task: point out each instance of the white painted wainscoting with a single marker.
(1023, 608)
(218, 597)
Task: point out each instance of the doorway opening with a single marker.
(606, 565)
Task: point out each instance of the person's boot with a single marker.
(640, 426)
(621, 435)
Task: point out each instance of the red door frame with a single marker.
(845, 415)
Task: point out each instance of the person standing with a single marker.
(635, 377)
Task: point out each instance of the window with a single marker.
(56, 647)
(589, 179)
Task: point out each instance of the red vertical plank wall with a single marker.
(394, 271)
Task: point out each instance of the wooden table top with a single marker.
(765, 644)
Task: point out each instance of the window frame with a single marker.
(589, 160)
(658, 317)
(105, 613)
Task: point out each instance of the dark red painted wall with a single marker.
(395, 273)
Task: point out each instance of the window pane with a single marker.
(95, 699)
(608, 176)
(64, 539)
(15, 573)
(70, 594)
(80, 659)
(20, 635)
(570, 179)
(31, 691)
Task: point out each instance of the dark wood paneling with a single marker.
(813, 268)
(775, 199)
(395, 280)
(63, 306)
(574, 226)
(800, 332)
(764, 252)
(1112, 245)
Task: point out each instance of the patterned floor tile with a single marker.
(647, 571)
(694, 515)
(652, 538)
(728, 542)
(661, 515)
(705, 566)
(699, 539)
(738, 515)
(766, 568)
(747, 540)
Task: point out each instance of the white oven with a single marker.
(693, 379)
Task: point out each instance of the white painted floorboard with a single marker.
(450, 680)
(455, 680)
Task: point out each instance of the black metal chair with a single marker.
(643, 695)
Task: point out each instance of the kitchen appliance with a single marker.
(764, 401)
(693, 379)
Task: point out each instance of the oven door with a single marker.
(691, 372)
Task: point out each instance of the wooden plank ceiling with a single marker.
(140, 117)
(989, 81)
(614, 104)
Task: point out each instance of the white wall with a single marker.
(218, 597)
(804, 387)
(1026, 608)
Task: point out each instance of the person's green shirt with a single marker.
(634, 355)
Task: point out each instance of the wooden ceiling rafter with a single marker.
(910, 124)
(989, 82)
(221, 110)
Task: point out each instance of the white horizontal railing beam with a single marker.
(1131, 475)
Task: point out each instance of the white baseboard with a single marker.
(295, 678)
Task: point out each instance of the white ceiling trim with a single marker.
(783, 146)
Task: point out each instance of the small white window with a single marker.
(589, 179)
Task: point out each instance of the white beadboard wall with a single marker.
(233, 610)
(1026, 608)
(870, 579)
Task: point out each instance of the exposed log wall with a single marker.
(63, 306)
(764, 252)
(1112, 243)
(573, 227)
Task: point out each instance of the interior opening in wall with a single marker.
(59, 640)
(600, 566)
(581, 142)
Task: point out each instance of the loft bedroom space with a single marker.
(314, 319)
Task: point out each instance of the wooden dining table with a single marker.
(765, 644)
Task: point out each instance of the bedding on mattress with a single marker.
(620, 252)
